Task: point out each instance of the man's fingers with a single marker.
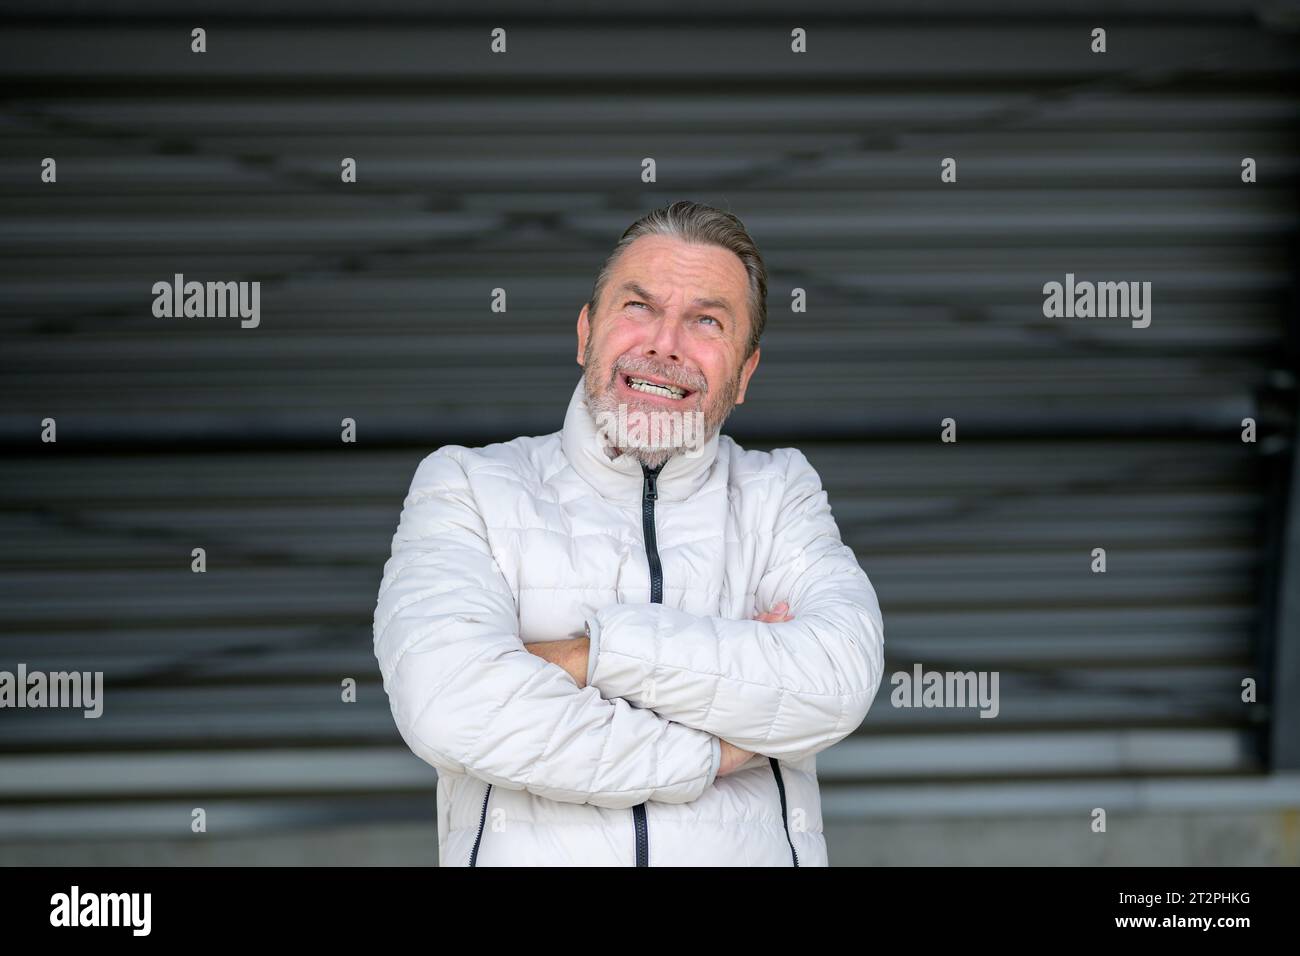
(777, 615)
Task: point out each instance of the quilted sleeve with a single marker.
(786, 690)
(467, 697)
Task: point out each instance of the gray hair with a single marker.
(698, 223)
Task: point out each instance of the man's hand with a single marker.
(570, 654)
(733, 758)
(777, 615)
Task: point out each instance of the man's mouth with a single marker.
(660, 389)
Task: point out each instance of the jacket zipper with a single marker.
(649, 494)
(473, 854)
(785, 820)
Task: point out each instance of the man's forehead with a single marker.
(637, 263)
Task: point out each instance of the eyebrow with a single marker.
(704, 303)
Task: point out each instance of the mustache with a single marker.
(667, 374)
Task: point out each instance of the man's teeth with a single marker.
(667, 391)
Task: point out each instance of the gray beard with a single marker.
(652, 458)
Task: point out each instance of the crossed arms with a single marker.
(577, 655)
(663, 687)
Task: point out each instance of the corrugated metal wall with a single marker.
(520, 171)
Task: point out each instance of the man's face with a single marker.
(673, 313)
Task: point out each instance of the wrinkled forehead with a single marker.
(663, 265)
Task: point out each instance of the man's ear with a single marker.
(746, 371)
(584, 330)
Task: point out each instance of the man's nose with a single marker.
(664, 342)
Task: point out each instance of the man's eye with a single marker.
(711, 319)
(638, 303)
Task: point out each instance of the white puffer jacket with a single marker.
(535, 539)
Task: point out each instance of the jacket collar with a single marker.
(621, 477)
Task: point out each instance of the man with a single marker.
(622, 650)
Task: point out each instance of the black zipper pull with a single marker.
(651, 490)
